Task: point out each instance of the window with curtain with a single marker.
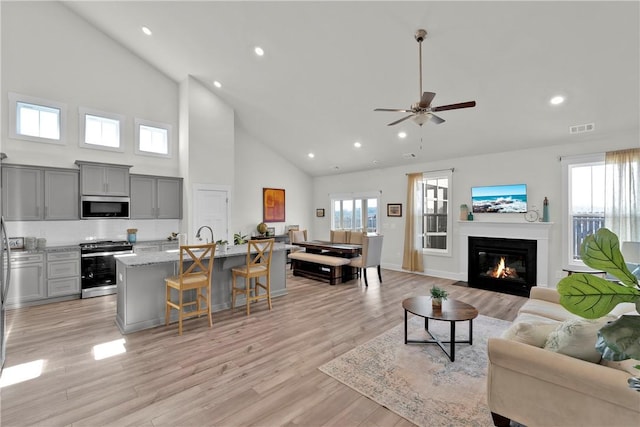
(357, 211)
(435, 193)
(622, 215)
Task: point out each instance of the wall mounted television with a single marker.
(499, 198)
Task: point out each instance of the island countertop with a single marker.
(159, 257)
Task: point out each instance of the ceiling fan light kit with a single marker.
(422, 111)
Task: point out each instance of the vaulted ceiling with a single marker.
(328, 64)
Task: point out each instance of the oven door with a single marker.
(98, 275)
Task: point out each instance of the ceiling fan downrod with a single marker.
(420, 35)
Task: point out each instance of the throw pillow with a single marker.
(577, 338)
(530, 333)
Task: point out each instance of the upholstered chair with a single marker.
(340, 236)
(296, 236)
(371, 256)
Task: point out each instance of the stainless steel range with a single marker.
(98, 265)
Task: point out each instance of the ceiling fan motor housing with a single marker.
(420, 35)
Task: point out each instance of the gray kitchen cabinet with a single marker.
(63, 273)
(22, 193)
(35, 193)
(155, 197)
(27, 278)
(99, 179)
(61, 195)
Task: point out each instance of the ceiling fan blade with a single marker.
(392, 109)
(425, 101)
(435, 119)
(401, 120)
(455, 106)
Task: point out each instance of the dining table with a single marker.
(343, 250)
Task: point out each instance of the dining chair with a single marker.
(371, 255)
(194, 272)
(258, 264)
(296, 236)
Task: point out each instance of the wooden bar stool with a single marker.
(258, 265)
(194, 273)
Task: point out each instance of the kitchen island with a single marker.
(141, 287)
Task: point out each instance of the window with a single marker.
(583, 185)
(436, 212)
(355, 211)
(152, 139)
(35, 119)
(99, 130)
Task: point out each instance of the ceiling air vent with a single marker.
(589, 127)
(409, 156)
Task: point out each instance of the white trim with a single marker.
(356, 195)
(14, 98)
(143, 122)
(83, 112)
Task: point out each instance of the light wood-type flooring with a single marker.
(259, 370)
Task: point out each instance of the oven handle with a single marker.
(96, 254)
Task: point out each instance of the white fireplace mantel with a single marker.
(538, 231)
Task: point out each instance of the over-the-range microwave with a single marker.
(96, 207)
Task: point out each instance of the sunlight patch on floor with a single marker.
(109, 349)
(20, 373)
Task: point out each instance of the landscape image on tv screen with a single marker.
(499, 199)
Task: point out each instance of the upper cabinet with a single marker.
(33, 193)
(100, 179)
(156, 197)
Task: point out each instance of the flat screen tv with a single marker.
(499, 199)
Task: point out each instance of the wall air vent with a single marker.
(588, 127)
(409, 156)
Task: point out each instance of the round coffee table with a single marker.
(452, 311)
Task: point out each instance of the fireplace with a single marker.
(503, 265)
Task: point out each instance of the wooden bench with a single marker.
(316, 266)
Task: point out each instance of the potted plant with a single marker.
(239, 239)
(437, 296)
(593, 297)
(222, 245)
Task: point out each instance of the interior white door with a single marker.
(211, 207)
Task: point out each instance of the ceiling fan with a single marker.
(422, 111)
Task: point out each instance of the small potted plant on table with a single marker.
(437, 296)
(222, 246)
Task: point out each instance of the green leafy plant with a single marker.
(592, 297)
(438, 293)
(239, 239)
(222, 242)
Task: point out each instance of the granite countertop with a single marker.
(149, 258)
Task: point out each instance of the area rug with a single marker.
(418, 381)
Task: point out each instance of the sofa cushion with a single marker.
(547, 309)
(623, 365)
(534, 333)
(577, 338)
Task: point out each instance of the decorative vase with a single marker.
(470, 217)
(131, 237)
(545, 210)
(436, 302)
(464, 212)
(223, 248)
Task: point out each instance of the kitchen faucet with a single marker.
(198, 233)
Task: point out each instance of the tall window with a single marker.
(101, 130)
(355, 211)
(152, 139)
(584, 184)
(36, 119)
(436, 212)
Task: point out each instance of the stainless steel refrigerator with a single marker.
(5, 277)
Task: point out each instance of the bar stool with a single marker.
(193, 274)
(258, 265)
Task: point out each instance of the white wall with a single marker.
(49, 52)
(539, 168)
(258, 167)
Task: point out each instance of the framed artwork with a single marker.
(273, 206)
(394, 209)
(16, 242)
(271, 231)
(319, 212)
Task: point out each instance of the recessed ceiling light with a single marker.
(217, 84)
(311, 155)
(357, 144)
(146, 30)
(557, 100)
(402, 134)
(258, 50)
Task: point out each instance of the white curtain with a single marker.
(622, 183)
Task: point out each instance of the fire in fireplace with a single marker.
(503, 265)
